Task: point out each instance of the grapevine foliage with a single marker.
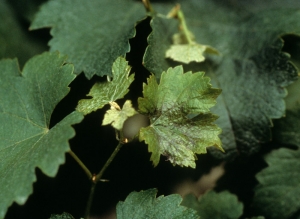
(217, 78)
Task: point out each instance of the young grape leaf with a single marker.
(187, 53)
(116, 116)
(223, 205)
(185, 49)
(14, 40)
(278, 192)
(62, 216)
(179, 111)
(144, 205)
(252, 70)
(92, 33)
(104, 93)
(27, 100)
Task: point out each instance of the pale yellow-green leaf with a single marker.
(116, 116)
(110, 91)
(187, 53)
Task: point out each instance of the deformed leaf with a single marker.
(252, 70)
(144, 205)
(62, 216)
(92, 33)
(116, 116)
(223, 205)
(179, 111)
(27, 100)
(110, 91)
(278, 192)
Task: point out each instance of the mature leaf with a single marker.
(116, 116)
(104, 93)
(144, 205)
(287, 129)
(181, 123)
(223, 205)
(27, 100)
(62, 216)
(252, 71)
(14, 41)
(278, 192)
(92, 33)
(159, 41)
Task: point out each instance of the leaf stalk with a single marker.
(81, 164)
(184, 27)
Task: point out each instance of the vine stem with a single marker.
(96, 178)
(148, 6)
(81, 164)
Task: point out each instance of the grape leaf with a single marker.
(162, 31)
(116, 116)
(278, 192)
(14, 41)
(223, 205)
(252, 70)
(104, 93)
(181, 123)
(144, 205)
(62, 216)
(26, 140)
(287, 130)
(92, 33)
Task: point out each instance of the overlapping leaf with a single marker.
(144, 205)
(277, 195)
(92, 33)
(104, 93)
(252, 71)
(26, 103)
(223, 205)
(181, 123)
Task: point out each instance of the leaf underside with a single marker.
(89, 32)
(26, 140)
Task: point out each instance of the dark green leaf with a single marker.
(14, 40)
(252, 71)
(278, 192)
(179, 111)
(159, 41)
(223, 205)
(92, 33)
(287, 129)
(27, 100)
(104, 93)
(144, 205)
